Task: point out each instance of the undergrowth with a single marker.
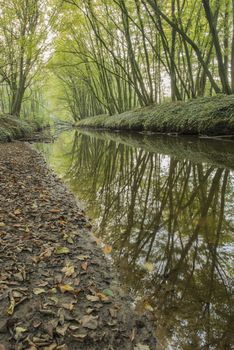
(14, 128)
(207, 115)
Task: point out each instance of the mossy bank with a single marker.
(13, 128)
(202, 116)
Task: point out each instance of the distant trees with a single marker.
(24, 28)
(114, 55)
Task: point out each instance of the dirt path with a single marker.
(57, 290)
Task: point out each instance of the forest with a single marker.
(95, 57)
(116, 174)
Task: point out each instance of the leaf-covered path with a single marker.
(57, 290)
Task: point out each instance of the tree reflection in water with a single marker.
(171, 226)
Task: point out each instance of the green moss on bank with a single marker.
(12, 128)
(207, 116)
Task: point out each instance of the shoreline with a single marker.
(218, 152)
(203, 116)
(57, 289)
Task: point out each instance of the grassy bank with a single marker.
(12, 128)
(206, 116)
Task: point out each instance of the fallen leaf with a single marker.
(62, 329)
(11, 307)
(108, 292)
(92, 298)
(84, 265)
(148, 307)
(107, 249)
(17, 212)
(89, 322)
(47, 253)
(113, 312)
(62, 250)
(79, 337)
(102, 297)
(54, 299)
(68, 306)
(54, 211)
(68, 270)
(66, 288)
(19, 331)
(38, 291)
(83, 257)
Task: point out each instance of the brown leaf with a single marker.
(55, 211)
(17, 212)
(102, 297)
(84, 265)
(68, 306)
(62, 329)
(92, 298)
(90, 322)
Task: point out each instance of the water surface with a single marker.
(166, 206)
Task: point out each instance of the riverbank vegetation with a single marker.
(12, 128)
(79, 59)
(113, 56)
(207, 116)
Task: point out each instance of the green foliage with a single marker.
(15, 128)
(208, 115)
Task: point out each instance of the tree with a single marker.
(24, 26)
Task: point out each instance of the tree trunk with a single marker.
(213, 30)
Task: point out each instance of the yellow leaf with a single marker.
(38, 291)
(66, 288)
(148, 307)
(11, 307)
(62, 250)
(68, 270)
(18, 331)
(107, 249)
(82, 257)
(148, 266)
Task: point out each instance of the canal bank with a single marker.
(165, 206)
(202, 116)
(14, 128)
(57, 290)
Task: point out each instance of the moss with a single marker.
(15, 128)
(208, 115)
